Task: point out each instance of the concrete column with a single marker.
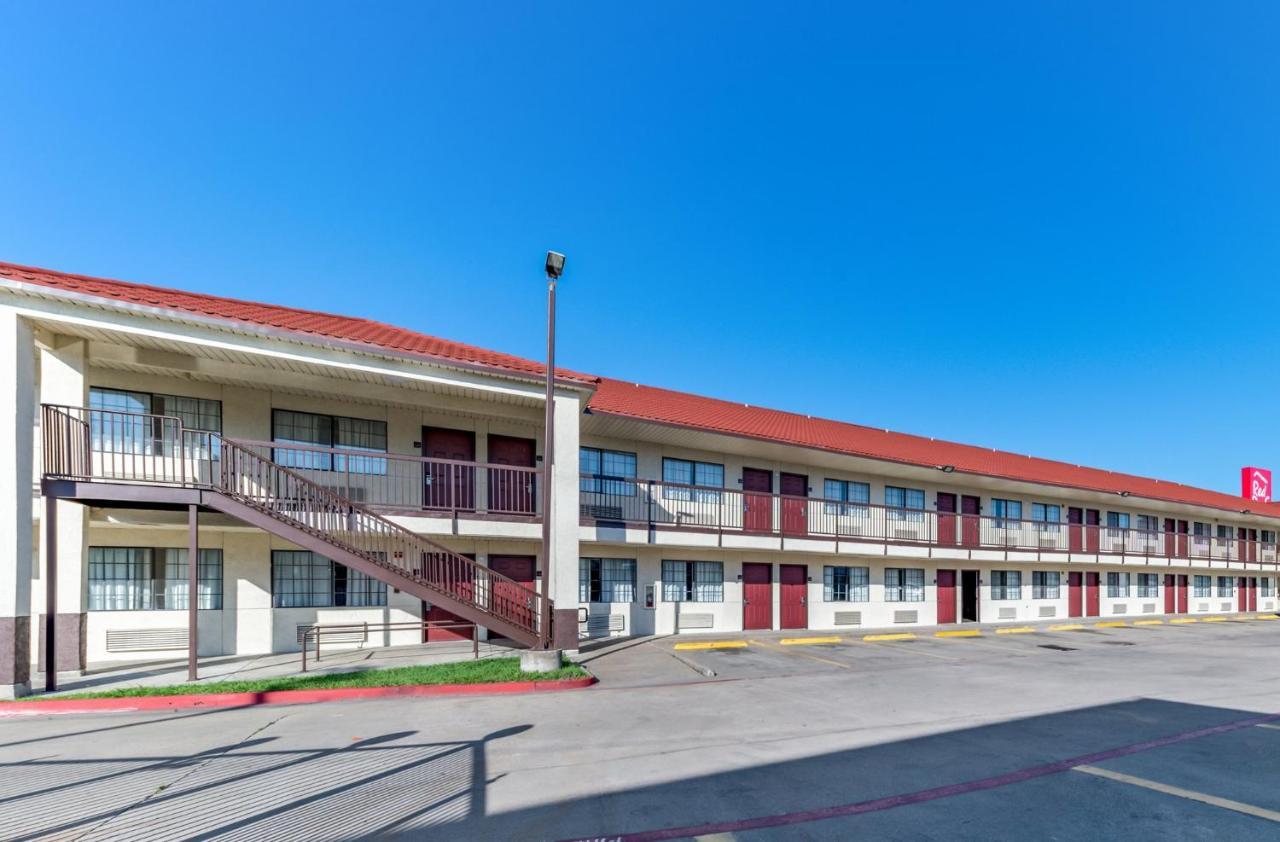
(562, 567)
(64, 380)
(17, 434)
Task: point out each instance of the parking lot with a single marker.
(1168, 731)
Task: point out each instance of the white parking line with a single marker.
(1179, 792)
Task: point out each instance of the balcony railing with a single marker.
(671, 505)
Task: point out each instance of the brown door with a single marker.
(1092, 518)
(1253, 593)
(947, 531)
(436, 614)
(947, 595)
(970, 526)
(1075, 595)
(795, 508)
(447, 485)
(1242, 595)
(793, 596)
(506, 597)
(1184, 530)
(1182, 593)
(757, 500)
(1170, 593)
(757, 596)
(1170, 537)
(1092, 599)
(511, 491)
(1075, 532)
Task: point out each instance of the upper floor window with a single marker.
(1268, 536)
(1047, 515)
(328, 431)
(1118, 520)
(1006, 584)
(302, 579)
(903, 584)
(1117, 585)
(607, 472)
(1200, 530)
(147, 579)
(607, 580)
(1224, 532)
(849, 492)
(1006, 512)
(846, 584)
(115, 430)
(1148, 585)
(693, 581)
(1147, 523)
(904, 503)
(687, 472)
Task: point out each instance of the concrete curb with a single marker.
(284, 697)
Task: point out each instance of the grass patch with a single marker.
(488, 671)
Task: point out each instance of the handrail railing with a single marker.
(92, 444)
(316, 632)
(680, 506)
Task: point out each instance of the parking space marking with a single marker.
(1148, 622)
(1179, 792)
(808, 641)
(712, 644)
(877, 640)
(800, 654)
(1267, 617)
(1017, 630)
(1182, 620)
(959, 633)
(1213, 619)
(1111, 624)
(872, 638)
(1269, 725)
(1067, 627)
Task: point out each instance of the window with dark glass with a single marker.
(1117, 585)
(704, 475)
(693, 581)
(151, 579)
(116, 428)
(1006, 585)
(904, 503)
(325, 432)
(1006, 512)
(1203, 586)
(606, 580)
(610, 472)
(302, 579)
(903, 584)
(1118, 520)
(846, 584)
(1045, 584)
(1226, 586)
(1047, 516)
(848, 492)
(1148, 585)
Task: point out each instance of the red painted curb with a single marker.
(286, 697)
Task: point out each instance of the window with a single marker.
(1006, 512)
(693, 581)
(302, 579)
(328, 431)
(897, 499)
(1200, 530)
(685, 472)
(1006, 584)
(607, 472)
(123, 434)
(1147, 523)
(1045, 584)
(1118, 520)
(1268, 536)
(846, 584)
(1264, 586)
(1148, 585)
(1117, 584)
(1047, 515)
(903, 584)
(1224, 532)
(1203, 587)
(607, 580)
(1226, 586)
(147, 579)
(848, 492)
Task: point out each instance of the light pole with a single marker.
(555, 268)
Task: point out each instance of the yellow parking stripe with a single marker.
(1017, 630)
(808, 641)
(1067, 627)
(1267, 617)
(1148, 622)
(1213, 619)
(872, 638)
(1190, 795)
(1111, 624)
(959, 633)
(714, 644)
(1184, 620)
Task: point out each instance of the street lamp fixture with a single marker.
(555, 268)
(555, 265)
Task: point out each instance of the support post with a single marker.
(548, 462)
(51, 594)
(193, 590)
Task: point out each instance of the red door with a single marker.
(757, 596)
(1184, 529)
(1092, 518)
(970, 527)
(436, 614)
(757, 500)
(1075, 596)
(1182, 593)
(1170, 594)
(445, 484)
(1075, 537)
(946, 596)
(1242, 596)
(511, 491)
(793, 596)
(1253, 545)
(795, 509)
(947, 530)
(1170, 537)
(1092, 605)
(1253, 593)
(508, 598)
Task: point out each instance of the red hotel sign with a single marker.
(1255, 484)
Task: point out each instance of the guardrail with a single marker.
(335, 629)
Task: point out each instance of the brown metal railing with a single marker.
(673, 505)
(106, 445)
(315, 633)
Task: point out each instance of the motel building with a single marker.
(333, 471)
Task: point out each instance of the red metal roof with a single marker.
(648, 403)
(289, 319)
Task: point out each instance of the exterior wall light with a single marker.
(946, 469)
(1124, 493)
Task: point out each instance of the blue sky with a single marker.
(1052, 228)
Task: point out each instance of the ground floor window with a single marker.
(1225, 586)
(846, 584)
(302, 579)
(903, 584)
(1148, 585)
(151, 579)
(607, 580)
(1006, 584)
(1045, 584)
(693, 581)
(1264, 585)
(1204, 586)
(1117, 584)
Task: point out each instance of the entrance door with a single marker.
(947, 595)
(1242, 595)
(511, 491)
(795, 509)
(793, 596)
(1170, 593)
(1092, 603)
(970, 528)
(1075, 595)
(969, 596)
(436, 614)
(947, 532)
(757, 500)
(1092, 518)
(757, 596)
(1184, 531)
(1253, 593)
(1170, 537)
(521, 568)
(447, 485)
(1182, 593)
(1075, 536)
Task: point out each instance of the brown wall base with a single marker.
(69, 637)
(564, 629)
(15, 650)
